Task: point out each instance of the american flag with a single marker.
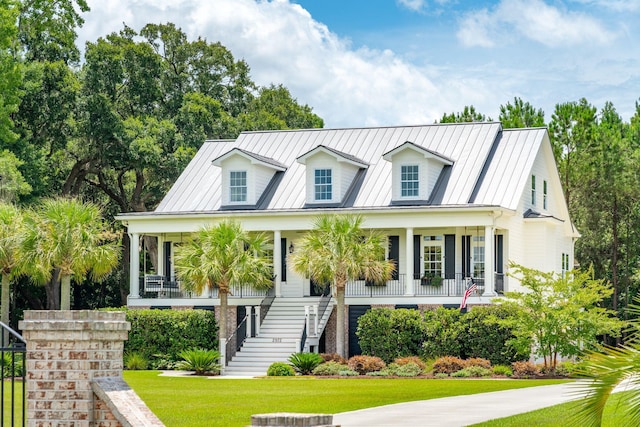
(470, 289)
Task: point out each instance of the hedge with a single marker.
(160, 335)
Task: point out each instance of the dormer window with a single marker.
(323, 184)
(237, 186)
(410, 181)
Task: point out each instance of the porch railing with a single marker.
(154, 286)
(265, 304)
(499, 283)
(363, 288)
(13, 364)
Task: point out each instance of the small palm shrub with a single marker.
(200, 360)
(12, 369)
(472, 371)
(502, 370)
(524, 369)
(447, 365)
(364, 364)
(333, 357)
(477, 361)
(411, 359)
(280, 369)
(135, 361)
(305, 363)
(330, 368)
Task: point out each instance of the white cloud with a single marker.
(415, 5)
(534, 20)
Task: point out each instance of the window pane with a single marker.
(238, 186)
(433, 260)
(409, 183)
(323, 184)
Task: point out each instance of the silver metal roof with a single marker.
(490, 166)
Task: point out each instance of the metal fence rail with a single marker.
(13, 365)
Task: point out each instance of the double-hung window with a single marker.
(409, 181)
(544, 194)
(533, 190)
(238, 186)
(323, 184)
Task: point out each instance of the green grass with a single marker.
(559, 415)
(191, 401)
(17, 412)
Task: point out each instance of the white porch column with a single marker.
(489, 256)
(161, 256)
(410, 288)
(248, 311)
(134, 265)
(277, 261)
(257, 320)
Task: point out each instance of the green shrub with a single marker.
(160, 335)
(330, 368)
(447, 365)
(363, 364)
(524, 369)
(348, 373)
(135, 361)
(477, 361)
(441, 375)
(12, 368)
(444, 333)
(409, 369)
(200, 360)
(389, 333)
(410, 359)
(280, 369)
(305, 363)
(571, 369)
(502, 370)
(472, 371)
(333, 357)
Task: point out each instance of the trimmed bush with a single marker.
(447, 365)
(333, 357)
(280, 369)
(408, 369)
(524, 369)
(441, 375)
(160, 335)
(401, 361)
(477, 361)
(200, 360)
(444, 333)
(389, 334)
(472, 371)
(305, 363)
(135, 361)
(330, 368)
(502, 370)
(363, 364)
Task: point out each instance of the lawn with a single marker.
(191, 401)
(558, 416)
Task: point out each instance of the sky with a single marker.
(402, 62)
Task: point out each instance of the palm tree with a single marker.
(11, 234)
(607, 369)
(219, 257)
(337, 250)
(67, 238)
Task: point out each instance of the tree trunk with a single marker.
(5, 301)
(65, 293)
(52, 288)
(340, 331)
(222, 327)
(615, 218)
(124, 282)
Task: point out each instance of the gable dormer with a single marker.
(331, 176)
(415, 172)
(247, 178)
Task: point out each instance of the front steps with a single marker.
(280, 332)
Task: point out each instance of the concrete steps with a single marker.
(279, 334)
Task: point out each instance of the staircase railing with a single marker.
(13, 366)
(265, 304)
(323, 304)
(235, 341)
(303, 338)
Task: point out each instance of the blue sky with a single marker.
(395, 62)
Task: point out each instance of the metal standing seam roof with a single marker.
(468, 145)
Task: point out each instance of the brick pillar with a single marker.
(66, 350)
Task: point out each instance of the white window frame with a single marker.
(432, 242)
(238, 192)
(413, 185)
(544, 194)
(533, 190)
(323, 185)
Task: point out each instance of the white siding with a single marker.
(429, 170)
(322, 161)
(238, 163)
(263, 176)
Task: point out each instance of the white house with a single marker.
(454, 200)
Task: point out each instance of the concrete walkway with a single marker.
(459, 410)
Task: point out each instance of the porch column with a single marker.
(160, 271)
(489, 257)
(248, 311)
(257, 320)
(134, 265)
(410, 289)
(277, 261)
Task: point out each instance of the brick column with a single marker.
(66, 350)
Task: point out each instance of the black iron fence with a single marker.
(13, 363)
